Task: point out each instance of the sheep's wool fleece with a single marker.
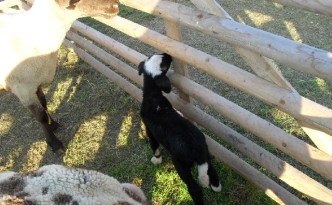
(29, 44)
(58, 185)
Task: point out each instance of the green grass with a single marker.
(102, 128)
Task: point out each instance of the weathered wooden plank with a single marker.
(317, 6)
(173, 30)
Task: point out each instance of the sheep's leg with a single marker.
(2, 89)
(44, 118)
(154, 144)
(42, 99)
(184, 171)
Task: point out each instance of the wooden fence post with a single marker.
(317, 6)
(173, 30)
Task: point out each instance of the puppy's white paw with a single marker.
(216, 189)
(156, 160)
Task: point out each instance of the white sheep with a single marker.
(29, 44)
(59, 185)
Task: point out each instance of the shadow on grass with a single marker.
(100, 127)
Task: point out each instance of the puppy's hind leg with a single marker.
(207, 175)
(214, 179)
(184, 171)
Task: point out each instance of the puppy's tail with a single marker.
(208, 176)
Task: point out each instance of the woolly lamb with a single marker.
(167, 127)
(58, 185)
(29, 44)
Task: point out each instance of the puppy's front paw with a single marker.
(156, 160)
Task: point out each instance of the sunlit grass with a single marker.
(323, 86)
(86, 141)
(286, 121)
(6, 121)
(259, 19)
(142, 132)
(240, 19)
(10, 160)
(138, 181)
(293, 32)
(277, 5)
(122, 139)
(74, 88)
(67, 86)
(59, 94)
(34, 156)
(67, 57)
(174, 190)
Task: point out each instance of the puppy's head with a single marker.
(156, 66)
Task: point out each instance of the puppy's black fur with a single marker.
(185, 142)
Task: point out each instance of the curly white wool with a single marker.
(56, 184)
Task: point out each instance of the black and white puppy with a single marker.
(165, 126)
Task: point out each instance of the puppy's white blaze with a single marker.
(216, 189)
(152, 65)
(203, 176)
(156, 160)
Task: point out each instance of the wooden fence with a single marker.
(257, 48)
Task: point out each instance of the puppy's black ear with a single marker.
(166, 62)
(163, 83)
(141, 68)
